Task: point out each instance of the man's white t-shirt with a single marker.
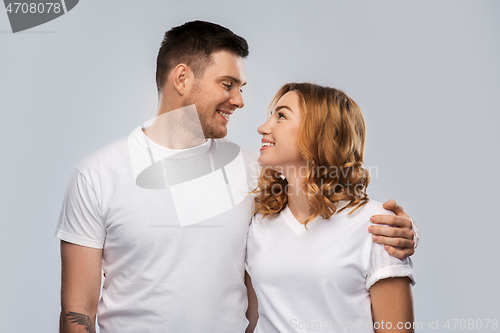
(318, 279)
(163, 271)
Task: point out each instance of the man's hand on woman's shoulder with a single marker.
(400, 237)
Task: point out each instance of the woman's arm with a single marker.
(392, 305)
(252, 311)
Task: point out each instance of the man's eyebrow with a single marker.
(232, 78)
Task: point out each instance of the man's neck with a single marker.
(177, 129)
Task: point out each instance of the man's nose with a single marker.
(237, 99)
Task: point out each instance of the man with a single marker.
(126, 212)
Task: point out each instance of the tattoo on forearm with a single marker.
(81, 319)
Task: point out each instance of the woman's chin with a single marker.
(265, 163)
(262, 162)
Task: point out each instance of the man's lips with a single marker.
(225, 114)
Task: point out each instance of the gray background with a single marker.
(426, 75)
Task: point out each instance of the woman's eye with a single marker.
(281, 115)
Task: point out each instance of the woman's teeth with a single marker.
(267, 144)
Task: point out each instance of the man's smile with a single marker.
(225, 114)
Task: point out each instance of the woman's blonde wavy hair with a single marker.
(332, 141)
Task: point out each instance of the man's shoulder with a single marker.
(112, 154)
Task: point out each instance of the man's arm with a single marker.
(80, 287)
(402, 236)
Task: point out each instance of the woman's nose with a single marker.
(264, 128)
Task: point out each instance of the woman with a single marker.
(312, 265)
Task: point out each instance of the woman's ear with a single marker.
(182, 78)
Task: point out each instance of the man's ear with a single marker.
(182, 78)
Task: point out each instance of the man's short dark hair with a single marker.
(193, 43)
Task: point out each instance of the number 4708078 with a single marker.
(25, 8)
(471, 324)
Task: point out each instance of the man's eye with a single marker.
(228, 86)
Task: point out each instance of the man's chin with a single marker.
(216, 134)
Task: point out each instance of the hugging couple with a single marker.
(306, 248)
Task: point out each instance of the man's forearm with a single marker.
(80, 287)
(76, 322)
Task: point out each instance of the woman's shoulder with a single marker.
(259, 217)
(361, 216)
(372, 207)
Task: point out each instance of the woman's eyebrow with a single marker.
(283, 107)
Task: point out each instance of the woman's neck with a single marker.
(298, 202)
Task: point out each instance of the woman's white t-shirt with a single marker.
(318, 279)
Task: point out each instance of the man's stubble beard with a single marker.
(209, 125)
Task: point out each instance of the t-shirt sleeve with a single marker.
(416, 232)
(383, 266)
(80, 221)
